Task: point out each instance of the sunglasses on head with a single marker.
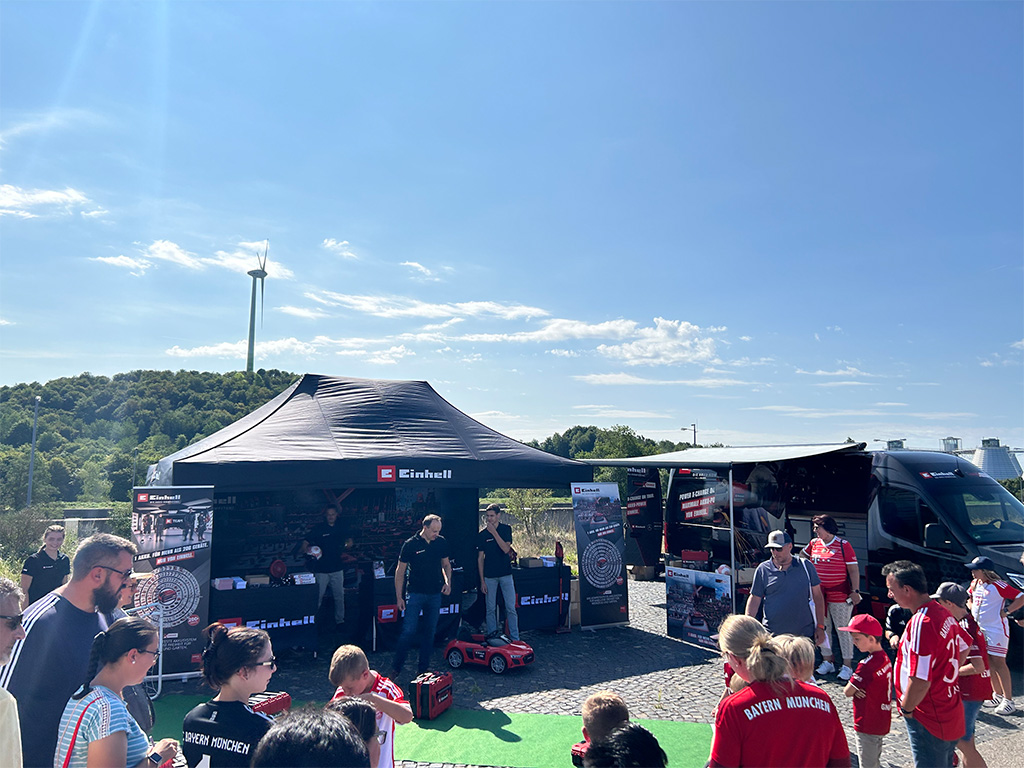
(13, 622)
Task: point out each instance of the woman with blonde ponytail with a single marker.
(96, 730)
(775, 722)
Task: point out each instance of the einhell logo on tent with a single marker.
(389, 474)
(143, 497)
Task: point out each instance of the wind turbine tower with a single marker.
(256, 274)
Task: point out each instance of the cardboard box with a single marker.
(531, 562)
(224, 583)
(746, 575)
(258, 580)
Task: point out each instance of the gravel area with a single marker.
(660, 677)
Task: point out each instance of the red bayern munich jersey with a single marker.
(976, 687)
(873, 713)
(830, 561)
(786, 725)
(930, 650)
(383, 687)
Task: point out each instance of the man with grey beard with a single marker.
(49, 664)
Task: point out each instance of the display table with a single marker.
(537, 603)
(287, 613)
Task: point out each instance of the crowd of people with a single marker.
(71, 659)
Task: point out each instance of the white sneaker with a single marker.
(1006, 708)
(826, 668)
(995, 701)
(845, 673)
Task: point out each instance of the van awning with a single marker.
(723, 457)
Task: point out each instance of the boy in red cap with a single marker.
(871, 690)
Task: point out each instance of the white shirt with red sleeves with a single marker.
(383, 687)
(987, 600)
(830, 561)
(930, 650)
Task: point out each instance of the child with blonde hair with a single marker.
(799, 655)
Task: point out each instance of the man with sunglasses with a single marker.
(47, 666)
(10, 632)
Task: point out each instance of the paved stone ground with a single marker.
(660, 677)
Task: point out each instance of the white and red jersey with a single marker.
(873, 713)
(930, 650)
(830, 561)
(788, 724)
(383, 687)
(976, 687)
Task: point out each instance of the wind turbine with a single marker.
(256, 274)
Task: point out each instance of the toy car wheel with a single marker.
(498, 664)
(455, 658)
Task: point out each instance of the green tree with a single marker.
(529, 506)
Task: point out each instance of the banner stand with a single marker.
(601, 548)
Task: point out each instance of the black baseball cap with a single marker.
(981, 564)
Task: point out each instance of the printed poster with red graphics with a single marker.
(601, 547)
(173, 529)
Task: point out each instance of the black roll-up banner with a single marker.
(644, 514)
(601, 547)
(173, 529)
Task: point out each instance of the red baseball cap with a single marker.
(864, 623)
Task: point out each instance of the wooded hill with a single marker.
(95, 434)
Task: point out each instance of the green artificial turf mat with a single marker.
(486, 737)
(492, 737)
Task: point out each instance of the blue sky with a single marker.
(790, 222)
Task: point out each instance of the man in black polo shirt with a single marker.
(494, 544)
(328, 565)
(425, 558)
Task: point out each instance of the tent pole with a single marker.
(732, 542)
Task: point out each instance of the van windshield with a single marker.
(986, 510)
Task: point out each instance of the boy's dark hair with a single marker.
(358, 712)
(908, 574)
(628, 746)
(229, 650)
(311, 737)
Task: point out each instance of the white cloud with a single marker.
(446, 324)
(55, 118)
(240, 260)
(309, 314)
(1017, 344)
(891, 405)
(818, 413)
(165, 250)
(415, 266)
(563, 352)
(668, 342)
(389, 356)
(401, 306)
(611, 412)
(238, 349)
(848, 371)
(95, 214)
(622, 379)
(5, 322)
(338, 248)
(843, 384)
(32, 203)
(746, 338)
(560, 330)
(494, 415)
(137, 267)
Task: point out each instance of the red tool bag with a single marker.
(270, 703)
(431, 694)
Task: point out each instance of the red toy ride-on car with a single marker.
(499, 653)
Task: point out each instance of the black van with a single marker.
(932, 508)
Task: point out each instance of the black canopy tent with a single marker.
(384, 452)
(331, 432)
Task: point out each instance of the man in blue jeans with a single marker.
(494, 544)
(425, 558)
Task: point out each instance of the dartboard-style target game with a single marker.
(176, 591)
(602, 564)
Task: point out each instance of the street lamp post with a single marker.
(32, 453)
(694, 425)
